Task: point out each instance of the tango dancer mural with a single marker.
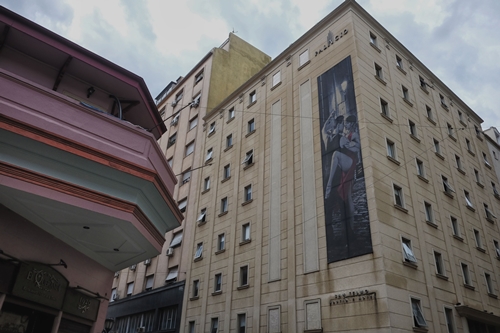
(346, 208)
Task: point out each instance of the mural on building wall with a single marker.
(344, 193)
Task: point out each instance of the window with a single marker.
(373, 39)
(223, 205)
(489, 285)
(450, 129)
(428, 212)
(478, 131)
(113, 295)
(406, 94)
(477, 238)
(251, 126)
(438, 259)
(229, 141)
(468, 201)
(206, 184)
(176, 239)
(178, 97)
(243, 276)
(303, 58)
(391, 149)
(245, 232)
(170, 162)
(443, 103)
(193, 122)
(495, 191)
(209, 156)
(384, 108)
(494, 154)
(378, 72)
(241, 323)
(448, 313)
(172, 274)
(428, 111)
(214, 326)
(437, 147)
(130, 288)
(203, 216)
(276, 78)
(248, 158)
(468, 145)
(186, 176)
(227, 172)
(423, 85)
(191, 327)
(252, 97)
(485, 158)
(212, 128)
(182, 205)
(477, 177)
(458, 162)
(198, 77)
(189, 148)
(221, 242)
(454, 226)
(218, 283)
(398, 196)
(230, 113)
(175, 120)
(446, 186)
(460, 116)
(418, 317)
(149, 282)
(196, 101)
(420, 168)
(171, 140)
(413, 128)
(497, 248)
(489, 215)
(199, 251)
(196, 288)
(408, 252)
(162, 111)
(248, 193)
(399, 62)
(465, 273)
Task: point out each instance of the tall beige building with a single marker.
(344, 187)
(148, 296)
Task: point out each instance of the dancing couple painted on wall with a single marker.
(346, 208)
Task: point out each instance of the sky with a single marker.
(160, 40)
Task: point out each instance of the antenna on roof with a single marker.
(234, 32)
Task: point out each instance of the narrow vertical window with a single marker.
(489, 284)
(418, 316)
(420, 168)
(406, 93)
(477, 237)
(450, 323)
(221, 242)
(399, 62)
(223, 205)
(454, 226)
(413, 128)
(465, 273)
(408, 251)
(251, 126)
(214, 326)
(199, 251)
(242, 323)
(391, 149)
(373, 39)
(398, 196)
(303, 58)
(378, 71)
(252, 97)
(428, 213)
(384, 108)
(230, 113)
(438, 259)
(276, 78)
(243, 276)
(245, 232)
(218, 283)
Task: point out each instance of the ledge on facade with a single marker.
(209, 160)
(420, 329)
(471, 152)
(432, 121)
(251, 104)
(245, 242)
(442, 277)
(225, 179)
(444, 106)
(248, 166)
(424, 90)
(410, 264)
(393, 160)
(439, 155)
(230, 120)
(375, 47)
(493, 295)
(422, 178)
(205, 191)
(215, 293)
(487, 165)
(468, 286)
(459, 238)
(222, 214)
(481, 185)
(220, 251)
(194, 298)
(276, 86)
(470, 208)
(401, 69)
(452, 137)
(380, 80)
(407, 101)
(228, 147)
(304, 65)
(414, 138)
(480, 249)
(246, 286)
(198, 258)
(386, 117)
(246, 202)
(448, 194)
(462, 171)
(432, 224)
(463, 123)
(316, 330)
(489, 219)
(401, 208)
(249, 133)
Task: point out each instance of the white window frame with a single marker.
(303, 58)
(206, 184)
(446, 185)
(245, 232)
(408, 255)
(248, 158)
(189, 148)
(251, 125)
(130, 288)
(244, 281)
(183, 205)
(221, 242)
(210, 153)
(211, 128)
(429, 216)
(199, 251)
(276, 78)
(449, 319)
(252, 97)
(439, 262)
(391, 149)
(417, 313)
(373, 39)
(248, 193)
(398, 193)
(173, 272)
(203, 216)
(384, 108)
(226, 172)
(468, 200)
(176, 239)
(420, 167)
(218, 283)
(231, 113)
(224, 205)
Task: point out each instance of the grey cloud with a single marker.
(55, 13)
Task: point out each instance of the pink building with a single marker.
(85, 191)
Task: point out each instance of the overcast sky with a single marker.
(160, 40)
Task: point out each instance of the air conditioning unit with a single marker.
(170, 251)
(133, 267)
(174, 103)
(175, 120)
(147, 262)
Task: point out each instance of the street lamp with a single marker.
(108, 325)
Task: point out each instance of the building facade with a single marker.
(349, 190)
(84, 188)
(149, 295)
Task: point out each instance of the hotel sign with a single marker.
(81, 305)
(41, 284)
(330, 40)
(352, 297)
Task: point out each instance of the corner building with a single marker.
(350, 190)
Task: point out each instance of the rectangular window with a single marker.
(198, 77)
(276, 78)
(178, 97)
(489, 284)
(406, 93)
(428, 212)
(229, 141)
(438, 259)
(149, 282)
(196, 101)
(446, 186)
(303, 58)
(378, 71)
(468, 145)
(437, 147)
(214, 326)
(189, 148)
(450, 325)
(221, 242)
(485, 158)
(172, 274)
(223, 205)
(478, 131)
(450, 129)
(243, 276)
(423, 85)
(454, 226)
(420, 168)
(186, 176)
(413, 128)
(191, 327)
(465, 273)
(241, 323)
(418, 316)
(252, 97)
(476, 176)
(468, 201)
(460, 116)
(199, 251)
(373, 39)
(206, 184)
(398, 196)
(175, 120)
(217, 282)
(399, 62)
(245, 232)
(113, 295)
(130, 288)
(441, 98)
(384, 108)
(230, 113)
(251, 126)
(248, 193)
(429, 114)
(170, 162)
(495, 190)
(458, 161)
(171, 140)
(477, 238)
(408, 251)
(212, 128)
(193, 122)
(203, 216)
(227, 172)
(176, 239)
(488, 212)
(497, 248)
(196, 288)
(183, 205)
(210, 153)
(391, 149)
(248, 158)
